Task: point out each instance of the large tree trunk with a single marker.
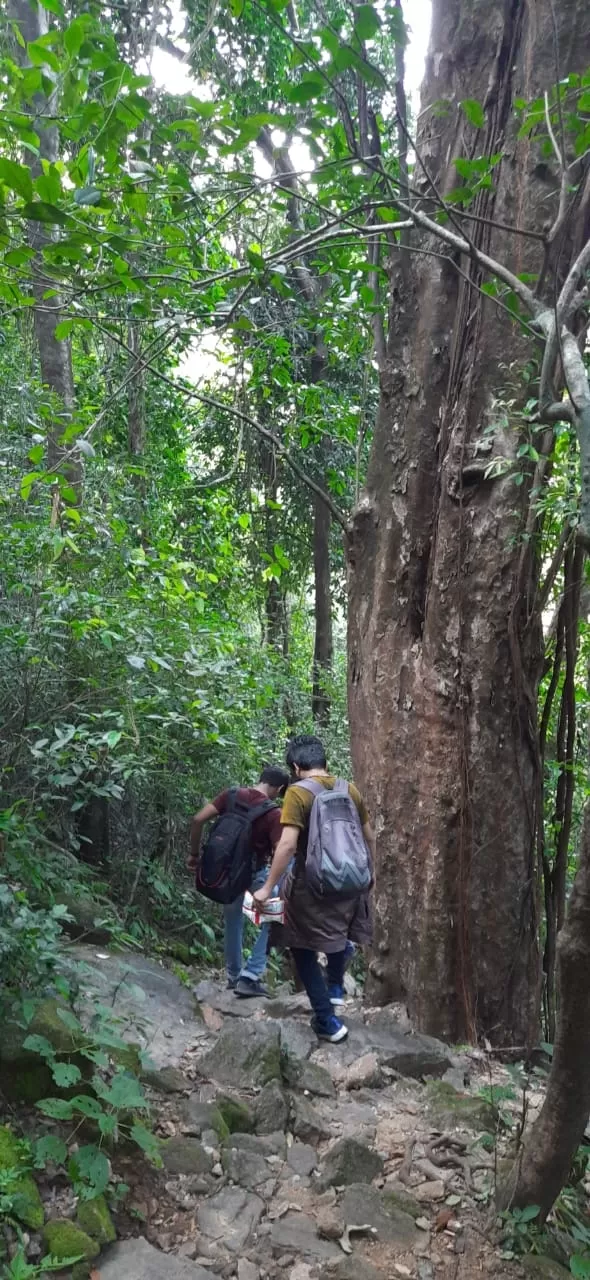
(55, 356)
(323, 641)
(445, 641)
(551, 1143)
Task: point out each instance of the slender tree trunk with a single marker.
(550, 1145)
(323, 641)
(136, 397)
(55, 356)
(444, 636)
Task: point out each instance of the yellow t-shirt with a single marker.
(298, 802)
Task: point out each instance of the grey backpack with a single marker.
(338, 861)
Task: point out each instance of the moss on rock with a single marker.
(236, 1116)
(21, 1189)
(94, 1217)
(451, 1109)
(63, 1239)
(24, 1075)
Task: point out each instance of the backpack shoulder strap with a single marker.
(342, 786)
(232, 796)
(257, 810)
(310, 784)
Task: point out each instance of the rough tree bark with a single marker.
(55, 357)
(551, 1142)
(444, 635)
(323, 639)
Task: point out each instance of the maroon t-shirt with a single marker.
(266, 830)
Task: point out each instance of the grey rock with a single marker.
(308, 1077)
(247, 1054)
(271, 1110)
(230, 1216)
(268, 1144)
(349, 1161)
(138, 1260)
(224, 1001)
(297, 1039)
(298, 1232)
(302, 1159)
(287, 1006)
(167, 1080)
(247, 1270)
(306, 1122)
(349, 1269)
(361, 1203)
(538, 1267)
(199, 1117)
(185, 1155)
(411, 1055)
(247, 1168)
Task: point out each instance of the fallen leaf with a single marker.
(212, 1019)
(442, 1219)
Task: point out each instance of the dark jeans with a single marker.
(310, 972)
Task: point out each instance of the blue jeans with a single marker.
(310, 972)
(234, 931)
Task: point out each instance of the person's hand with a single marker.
(262, 895)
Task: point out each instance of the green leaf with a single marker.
(366, 21)
(17, 177)
(65, 1074)
(87, 195)
(147, 1141)
(90, 1166)
(87, 1106)
(41, 56)
(474, 112)
(63, 330)
(113, 737)
(29, 480)
(57, 1108)
(41, 211)
(75, 34)
(310, 87)
(38, 1044)
(49, 1148)
(124, 1091)
(529, 1212)
(136, 661)
(237, 8)
(580, 1266)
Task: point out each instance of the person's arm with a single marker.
(206, 814)
(283, 853)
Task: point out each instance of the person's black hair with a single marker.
(307, 751)
(274, 777)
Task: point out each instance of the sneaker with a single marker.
(246, 988)
(336, 994)
(332, 1029)
(231, 984)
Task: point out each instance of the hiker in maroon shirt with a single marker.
(245, 980)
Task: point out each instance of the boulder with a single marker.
(286, 1005)
(94, 1217)
(167, 1080)
(20, 1188)
(397, 1196)
(24, 1075)
(268, 1144)
(247, 1054)
(138, 1260)
(226, 1002)
(185, 1155)
(411, 1055)
(348, 1269)
(89, 919)
(538, 1267)
(248, 1168)
(236, 1114)
(297, 1233)
(198, 1117)
(349, 1161)
(230, 1217)
(297, 1039)
(449, 1109)
(308, 1077)
(271, 1110)
(365, 1073)
(364, 1204)
(306, 1122)
(302, 1159)
(64, 1240)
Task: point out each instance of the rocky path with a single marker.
(369, 1160)
(286, 1158)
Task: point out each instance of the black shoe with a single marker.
(246, 988)
(231, 984)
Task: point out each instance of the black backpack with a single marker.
(226, 865)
